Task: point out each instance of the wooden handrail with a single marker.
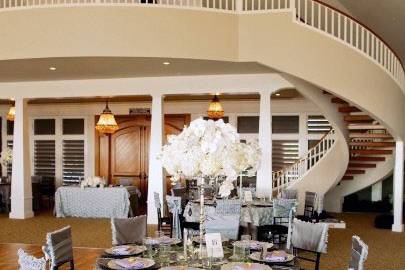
(363, 25)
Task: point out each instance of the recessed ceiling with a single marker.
(78, 68)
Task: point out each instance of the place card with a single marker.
(214, 245)
(248, 196)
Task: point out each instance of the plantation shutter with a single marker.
(44, 158)
(73, 161)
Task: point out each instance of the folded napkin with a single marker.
(129, 263)
(276, 256)
(122, 250)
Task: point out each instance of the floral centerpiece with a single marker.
(93, 182)
(6, 156)
(209, 149)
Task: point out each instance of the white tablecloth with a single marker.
(92, 202)
(258, 216)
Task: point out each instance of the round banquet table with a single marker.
(256, 215)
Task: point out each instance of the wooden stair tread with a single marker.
(368, 127)
(373, 144)
(347, 177)
(337, 100)
(370, 151)
(358, 118)
(362, 158)
(369, 135)
(348, 109)
(355, 171)
(362, 165)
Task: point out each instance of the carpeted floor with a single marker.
(387, 249)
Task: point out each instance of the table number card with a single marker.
(248, 196)
(214, 245)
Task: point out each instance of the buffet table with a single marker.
(108, 202)
(258, 215)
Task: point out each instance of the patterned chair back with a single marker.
(309, 236)
(359, 254)
(289, 194)
(225, 219)
(282, 207)
(128, 230)
(28, 262)
(59, 246)
(174, 206)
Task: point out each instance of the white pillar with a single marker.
(264, 174)
(398, 188)
(155, 179)
(376, 192)
(21, 189)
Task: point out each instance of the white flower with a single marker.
(226, 188)
(6, 156)
(209, 149)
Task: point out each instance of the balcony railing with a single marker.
(294, 172)
(310, 13)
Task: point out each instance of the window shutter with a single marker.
(73, 161)
(317, 124)
(44, 158)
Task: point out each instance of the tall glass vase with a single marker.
(202, 213)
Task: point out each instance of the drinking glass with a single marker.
(206, 258)
(149, 247)
(164, 254)
(246, 237)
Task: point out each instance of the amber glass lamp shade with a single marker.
(106, 123)
(215, 110)
(11, 114)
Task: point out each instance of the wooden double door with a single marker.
(125, 154)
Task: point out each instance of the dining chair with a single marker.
(309, 206)
(225, 219)
(28, 262)
(289, 194)
(358, 255)
(58, 249)
(175, 208)
(128, 230)
(310, 238)
(164, 223)
(283, 214)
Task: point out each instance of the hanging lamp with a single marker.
(106, 123)
(215, 110)
(11, 113)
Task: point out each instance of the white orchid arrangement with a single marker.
(92, 182)
(210, 149)
(6, 156)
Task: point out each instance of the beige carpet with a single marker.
(387, 249)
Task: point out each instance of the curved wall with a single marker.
(271, 38)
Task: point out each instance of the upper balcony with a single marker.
(304, 38)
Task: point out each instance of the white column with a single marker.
(155, 179)
(21, 190)
(376, 192)
(264, 174)
(398, 188)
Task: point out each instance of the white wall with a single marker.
(299, 106)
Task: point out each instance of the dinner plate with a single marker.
(179, 267)
(255, 245)
(245, 266)
(146, 263)
(132, 250)
(256, 256)
(169, 241)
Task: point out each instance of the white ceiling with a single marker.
(385, 17)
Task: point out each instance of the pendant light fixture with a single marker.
(215, 110)
(106, 123)
(11, 113)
